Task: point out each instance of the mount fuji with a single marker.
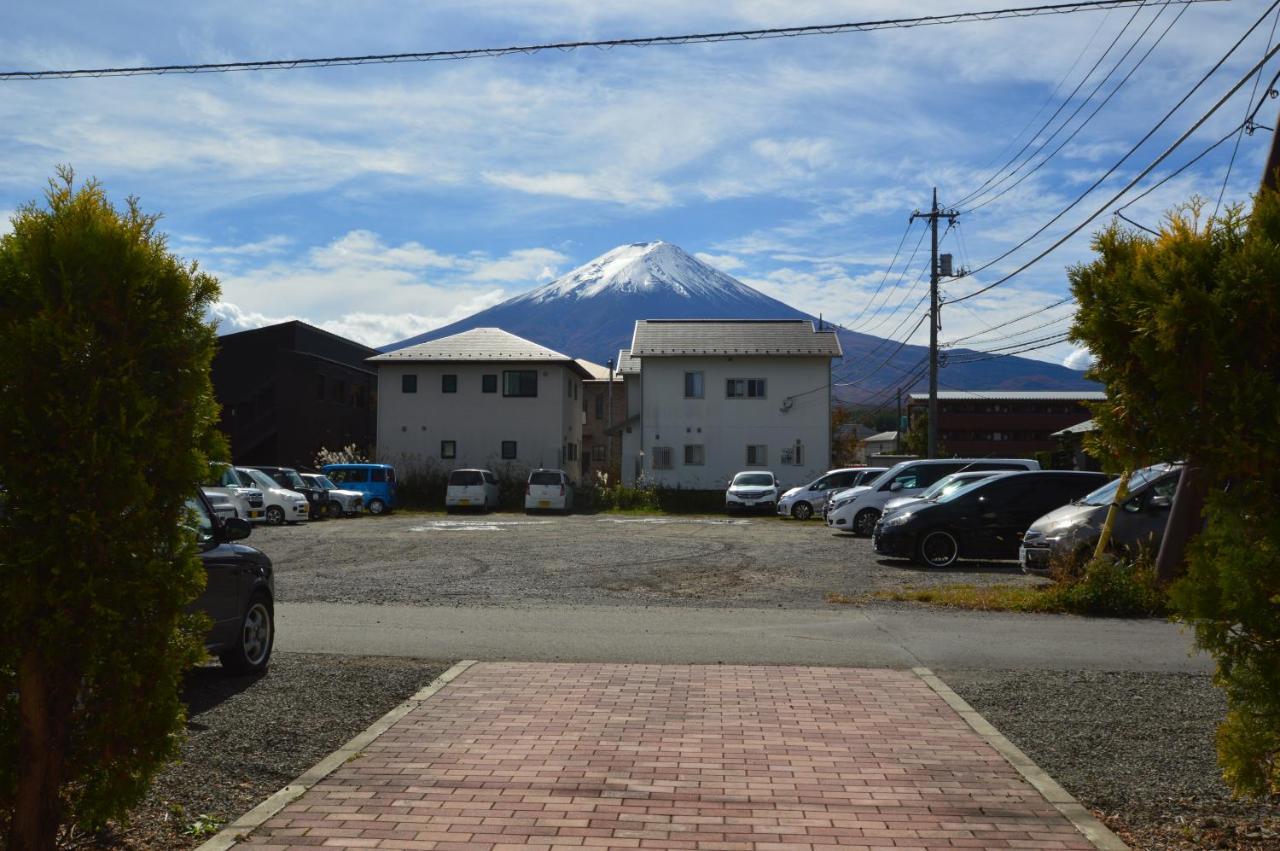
(591, 312)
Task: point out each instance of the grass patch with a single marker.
(982, 598)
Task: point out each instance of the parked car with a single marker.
(802, 502)
(548, 490)
(248, 501)
(984, 520)
(865, 476)
(376, 481)
(239, 593)
(752, 489)
(1073, 530)
(289, 478)
(859, 511)
(339, 502)
(471, 489)
(222, 506)
(940, 488)
(281, 504)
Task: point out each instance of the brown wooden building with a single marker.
(1005, 424)
(603, 397)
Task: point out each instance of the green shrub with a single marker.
(1110, 587)
(108, 421)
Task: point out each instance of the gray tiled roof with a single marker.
(882, 437)
(1078, 428)
(774, 337)
(627, 364)
(1016, 395)
(597, 372)
(478, 344)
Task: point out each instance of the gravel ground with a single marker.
(249, 736)
(1135, 748)
(505, 559)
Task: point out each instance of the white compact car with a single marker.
(281, 504)
(805, 501)
(248, 501)
(548, 490)
(752, 489)
(857, 511)
(471, 489)
(339, 502)
(221, 504)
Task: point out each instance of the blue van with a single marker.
(376, 481)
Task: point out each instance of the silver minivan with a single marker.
(1072, 531)
(471, 489)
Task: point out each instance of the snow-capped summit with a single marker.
(642, 267)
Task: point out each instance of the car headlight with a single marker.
(897, 519)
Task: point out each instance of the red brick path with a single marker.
(665, 756)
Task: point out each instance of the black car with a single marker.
(240, 592)
(983, 521)
(288, 477)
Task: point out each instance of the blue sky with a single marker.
(381, 201)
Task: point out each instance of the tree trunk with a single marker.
(46, 695)
(1122, 493)
(1184, 521)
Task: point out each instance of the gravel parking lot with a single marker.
(506, 559)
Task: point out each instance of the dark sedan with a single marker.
(239, 595)
(983, 521)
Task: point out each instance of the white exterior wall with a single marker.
(412, 425)
(725, 427)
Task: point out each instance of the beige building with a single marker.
(482, 398)
(711, 398)
(604, 406)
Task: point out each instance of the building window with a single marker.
(448, 449)
(744, 388)
(319, 386)
(757, 455)
(694, 455)
(508, 450)
(520, 382)
(448, 384)
(662, 457)
(793, 456)
(408, 384)
(600, 407)
(339, 391)
(597, 453)
(571, 451)
(693, 385)
(488, 384)
(361, 396)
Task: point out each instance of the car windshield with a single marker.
(753, 480)
(1106, 494)
(293, 479)
(965, 487)
(324, 482)
(200, 521)
(259, 479)
(223, 476)
(465, 478)
(949, 484)
(544, 478)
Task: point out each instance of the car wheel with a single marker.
(865, 523)
(255, 639)
(377, 506)
(335, 509)
(802, 511)
(275, 515)
(937, 548)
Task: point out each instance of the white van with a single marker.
(548, 490)
(225, 480)
(858, 510)
(471, 489)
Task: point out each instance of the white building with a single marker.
(482, 398)
(709, 398)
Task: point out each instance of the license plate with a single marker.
(255, 513)
(464, 502)
(544, 503)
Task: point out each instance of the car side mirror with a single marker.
(235, 529)
(1160, 502)
(896, 486)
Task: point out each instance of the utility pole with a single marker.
(608, 421)
(935, 323)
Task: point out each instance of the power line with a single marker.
(1168, 151)
(1024, 316)
(1091, 115)
(565, 46)
(1054, 342)
(1239, 136)
(1031, 140)
(1125, 158)
(889, 270)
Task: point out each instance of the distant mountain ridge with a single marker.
(591, 312)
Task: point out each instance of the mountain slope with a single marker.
(591, 311)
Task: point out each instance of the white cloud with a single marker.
(723, 262)
(615, 188)
(1078, 359)
(6, 223)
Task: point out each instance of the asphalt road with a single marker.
(601, 560)
(876, 636)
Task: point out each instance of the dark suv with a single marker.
(240, 592)
(287, 477)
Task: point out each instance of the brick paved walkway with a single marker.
(664, 756)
